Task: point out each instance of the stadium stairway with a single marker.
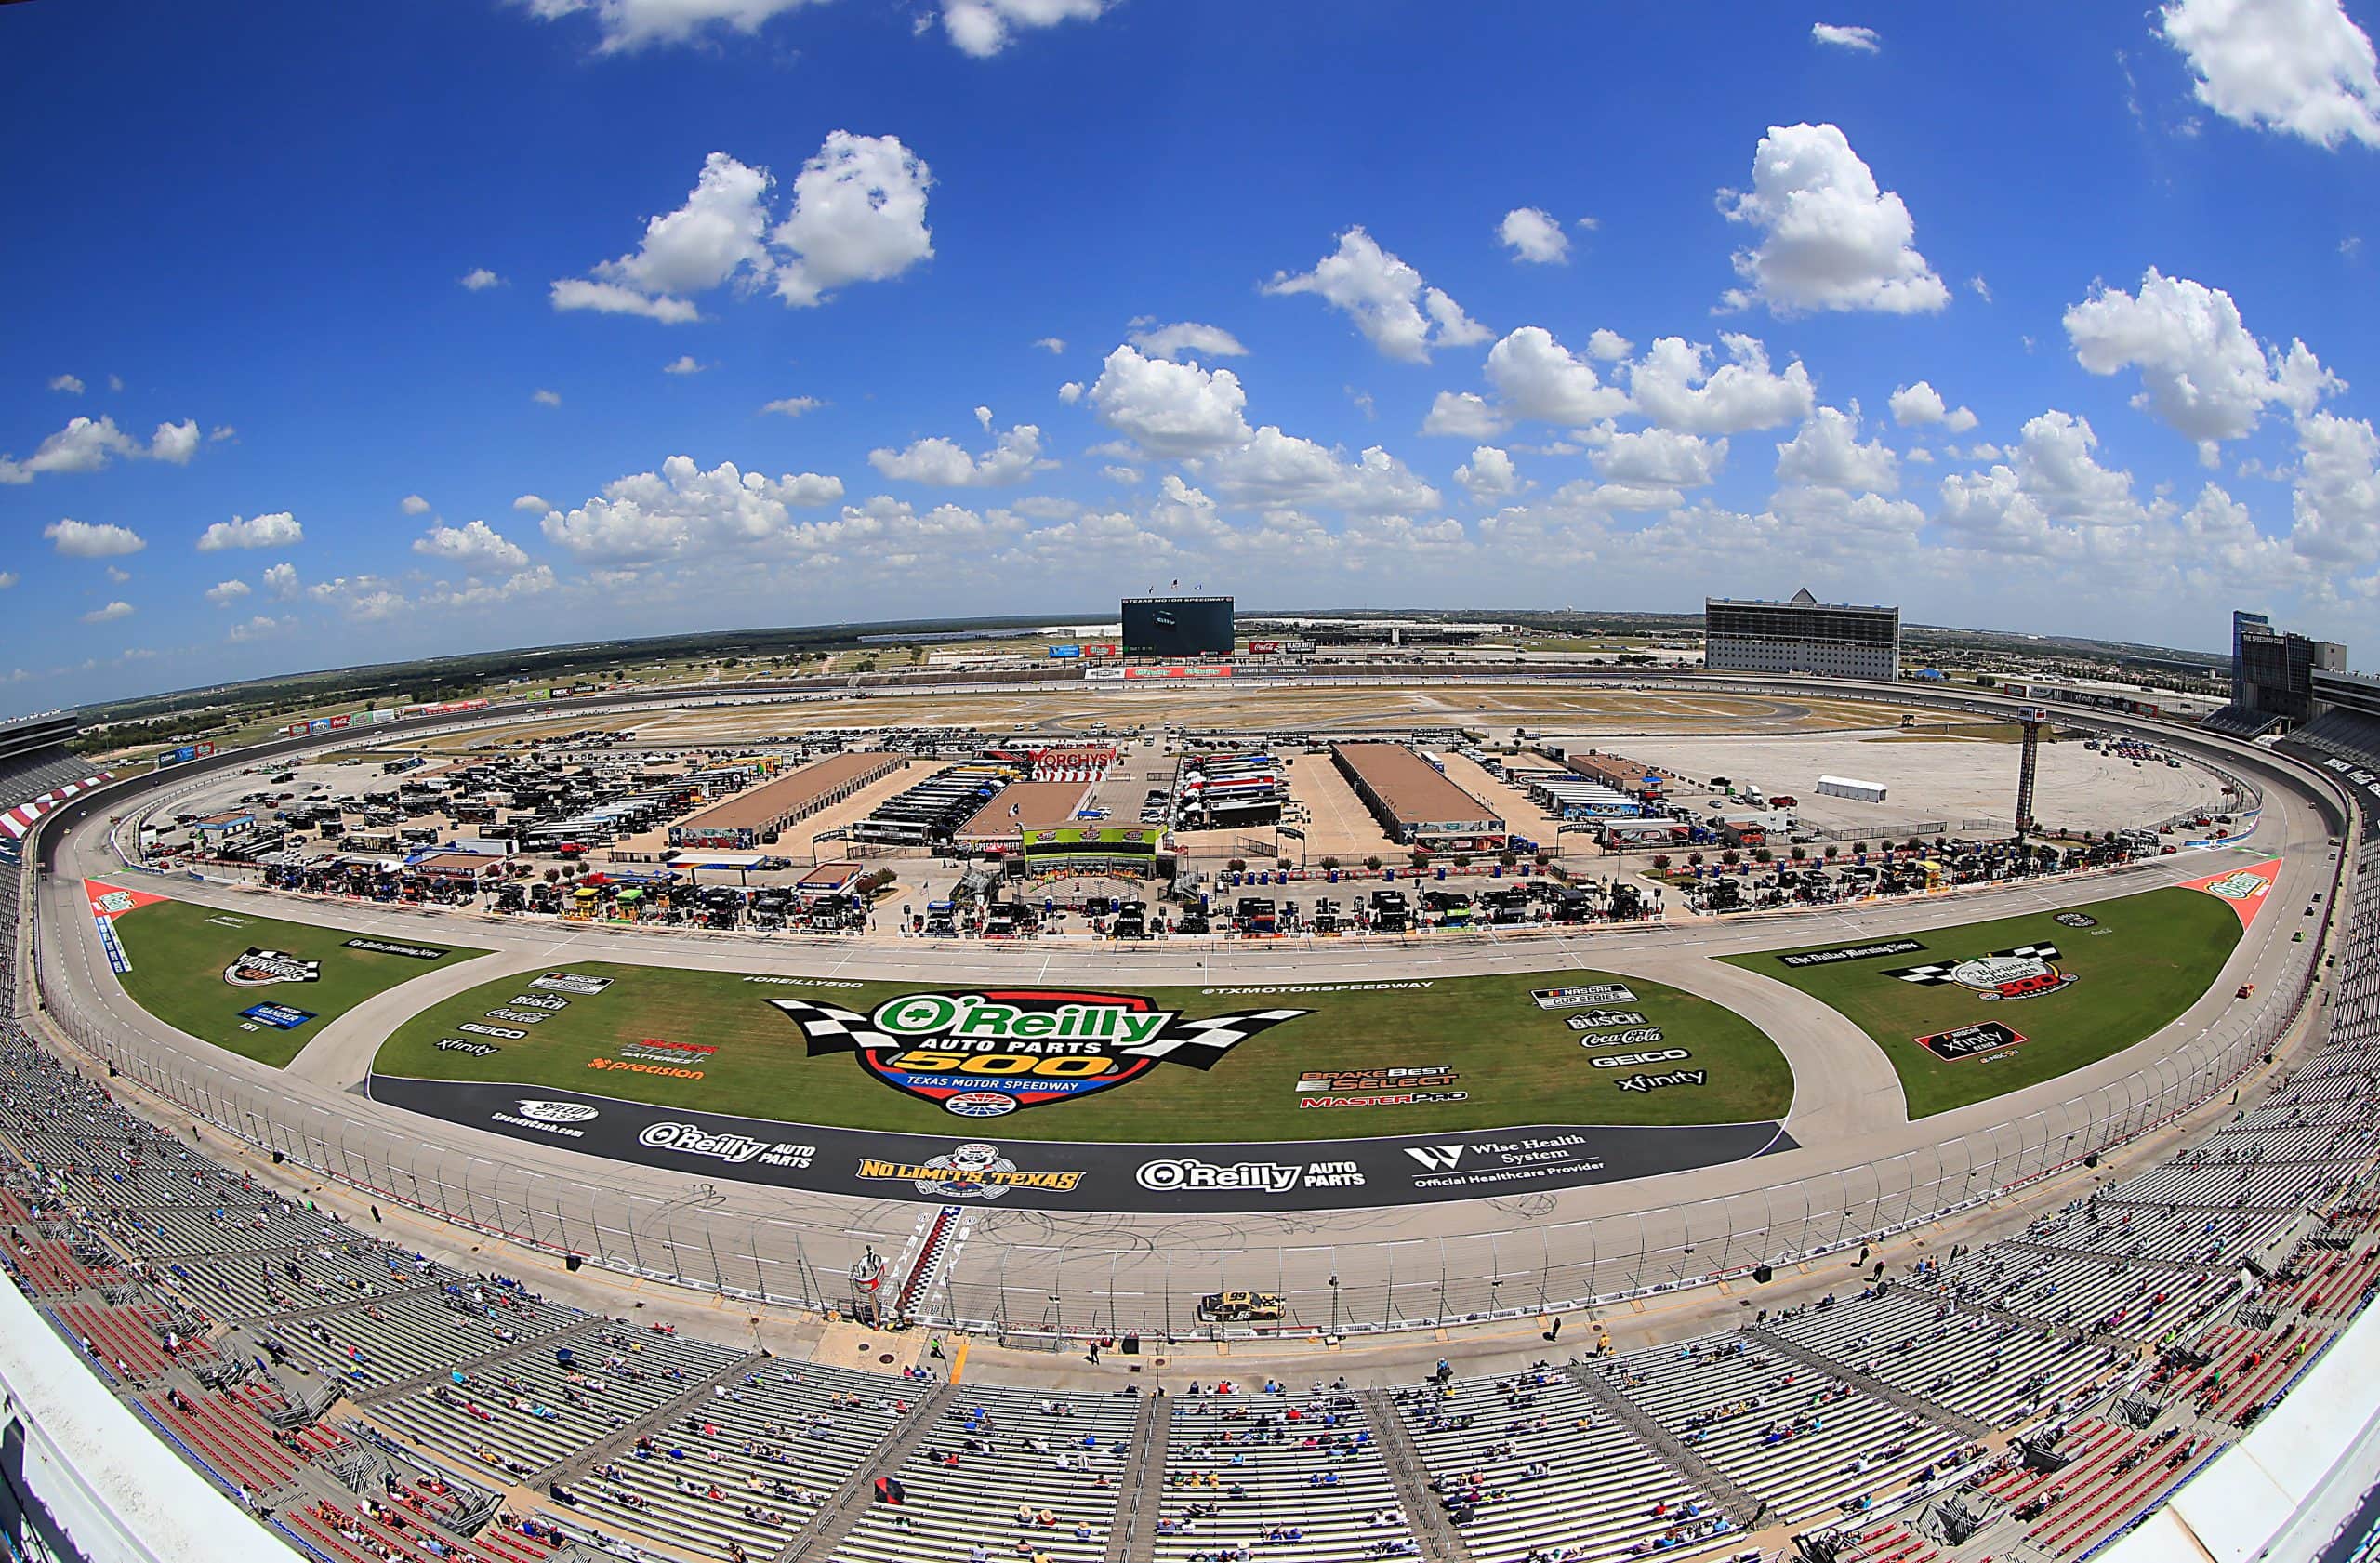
(1142, 1489)
(1408, 1471)
(844, 1509)
(569, 1472)
(1725, 1495)
(1868, 1384)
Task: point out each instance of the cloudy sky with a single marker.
(339, 332)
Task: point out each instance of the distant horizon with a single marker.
(856, 627)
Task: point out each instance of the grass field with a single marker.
(2146, 959)
(1516, 1062)
(179, 952)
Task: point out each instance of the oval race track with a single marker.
(1132, 1252)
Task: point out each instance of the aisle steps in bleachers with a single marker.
(1408, 1471)
(1932, 1412)
(836, 1519)
(1725, 1495)
(1139, 1490)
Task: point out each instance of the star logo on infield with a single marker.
(2024, 972)
(262, 968)
(985, 1054)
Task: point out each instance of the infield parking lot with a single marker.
(191, 967)
(1241, 1063)
(1977, 1011)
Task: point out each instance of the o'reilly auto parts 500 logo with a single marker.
(262, 968)
(2026, 972)
(984, 1054)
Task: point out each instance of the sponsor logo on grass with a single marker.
(571, 982)
(2026, 972)
(518, 1017)
(652, 1049)
(1580, 997)
(671, 1070)
(2075, 919)
(969, 1172)
(1405, 1077)
(1851, 952)
(262, 968)
(1393, 1099)
(1656, 1082)
(464, 1044)
(387, 946)
(281, 1017)
(478, 1030)
(1595, 1019)
(1638, 1037)
(1637, 1060)
(538, 1001)
(1966, 1041)
(1033, 1046)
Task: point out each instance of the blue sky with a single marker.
(1490, 305)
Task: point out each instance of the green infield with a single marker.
(1291, 1063)
(1974, 1012)
(192, 968)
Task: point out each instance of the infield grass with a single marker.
(1517, 1063)
(178, 951)
(2145, 961)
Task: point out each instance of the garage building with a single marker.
(1414, 801)
(737, 823)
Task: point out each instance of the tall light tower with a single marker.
(2028, 765)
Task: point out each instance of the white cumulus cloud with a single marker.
(1190, 336)
(108, 615)
(684, 509)
(413, 504)
(983, 28)
(1915, 405)
(859, 214)
(224, 593)
(1674, 387)
(1859, 40)
(83, 539)
(1828, 453)
(1401, 315)
(792, 406)
(1533, 234)
(479, 279)
(940, 463)
(272, 530)
(2300, 67)
(1538, 377)
(67, 383)
(2202, 373)
(1489, 475)
(473, 546)
(1830, 238)
(1171, 409)
(684, 363)
(88, 444)
(1465, 414)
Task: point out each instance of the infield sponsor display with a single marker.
(209, 972)
(1167, 1098)
(2071, 985)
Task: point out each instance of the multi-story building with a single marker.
(1801, 635)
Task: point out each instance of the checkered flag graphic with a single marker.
(829, 1028)
(1934, 973)
(1202, 1043)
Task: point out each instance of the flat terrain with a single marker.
(180, 951)
(2144, 960)
(1516, 1062)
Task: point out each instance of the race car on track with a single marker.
(1237, 1307)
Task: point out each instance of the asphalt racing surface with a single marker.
(1139, 1227)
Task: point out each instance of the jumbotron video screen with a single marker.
(1177, 626)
